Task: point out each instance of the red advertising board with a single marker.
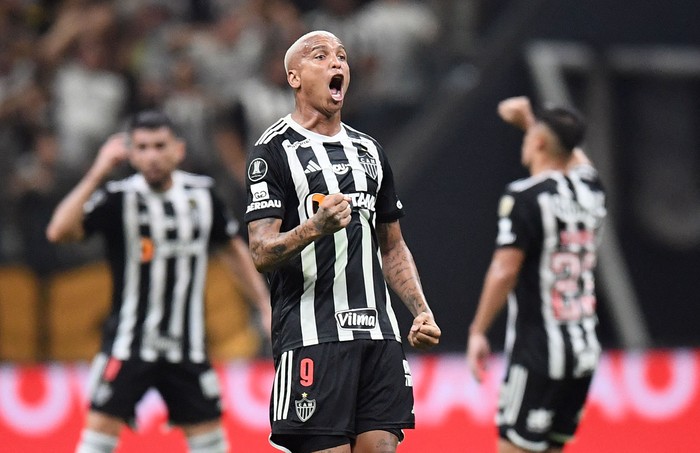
(640, 402)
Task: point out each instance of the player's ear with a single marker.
(180, 150)
(293, 78)
(542, 139)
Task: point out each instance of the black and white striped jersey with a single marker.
(334, 290)
(157, 245)
(555, 219)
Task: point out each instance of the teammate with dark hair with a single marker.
(158, 225)
(548, 234)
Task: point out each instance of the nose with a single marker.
(335, 61)
(151, 153)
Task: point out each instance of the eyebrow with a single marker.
(325, 47)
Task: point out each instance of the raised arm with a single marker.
(500, 279)
(401, 274)
(67, 221)
(270, 248)
(517, 111)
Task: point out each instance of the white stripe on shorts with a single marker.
(515, 390)
(282, 387)
(95, 375)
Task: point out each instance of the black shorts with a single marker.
(191, 391)
(339, 390)
(536, 412)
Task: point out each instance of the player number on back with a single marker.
(572, 292)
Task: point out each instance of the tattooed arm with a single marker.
(270, 248)
(402, 276)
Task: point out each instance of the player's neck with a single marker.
(546, 164)
(161, 186)
(315, 121)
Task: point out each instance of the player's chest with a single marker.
(335, 168)
(165, 216)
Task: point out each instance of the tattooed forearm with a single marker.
(269, 248)
(402, 276)
(399, 268)
(279, 250)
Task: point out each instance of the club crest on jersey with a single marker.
(305, 407)
(369, 164)
(257, 169)
(357, 319)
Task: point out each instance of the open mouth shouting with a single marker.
(336, 87)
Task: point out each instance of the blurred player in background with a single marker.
(323, 218)
(158, 225)
(548, 233)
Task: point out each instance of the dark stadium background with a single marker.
(452, 187)
(452, 157)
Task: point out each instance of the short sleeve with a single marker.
(102, 212)
(389, 206)
(517, 220)
(265, 184)
(224, 225)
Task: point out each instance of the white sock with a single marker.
(96, 442)
(210, 442)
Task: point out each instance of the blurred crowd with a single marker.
(72, 71)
